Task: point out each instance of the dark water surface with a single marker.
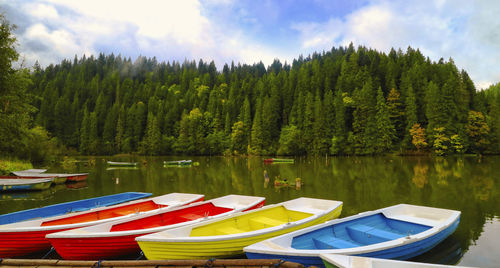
(468, 184)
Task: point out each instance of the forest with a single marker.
(346, 101)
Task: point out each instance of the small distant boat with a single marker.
(178, 163)
(279, 160)
(34, 170)
(117, 238)
(22, 238)
(58, 177)
(73, 206)
(123, 164)
(226, 237)
(25, 184)
(398, 232)
(343, 261)
(122, 168)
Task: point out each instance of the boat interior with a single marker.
(171, 217)
(363, 231)
(248, 222)
(106, 213)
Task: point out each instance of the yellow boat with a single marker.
(226, 237)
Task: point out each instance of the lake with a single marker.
(469, 184)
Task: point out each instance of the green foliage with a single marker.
(478, 131)
(9, 165)
(291, 141)
(418, 137)
(441, 143)
(238, 138)
(385, 129)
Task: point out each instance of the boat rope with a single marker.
(97, 264)
(209, 263)
(141, 254)
(48, 253)
(279, 263)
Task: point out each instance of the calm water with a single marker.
(468, 184)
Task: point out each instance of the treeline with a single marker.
(19, 137)
(342, 102)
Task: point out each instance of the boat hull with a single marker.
(14, 244)
(222, 248)
(122, 164)
(76, 178)
(96, 248)
(29, 185)
(403, 252)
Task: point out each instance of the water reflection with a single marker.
(362, 183)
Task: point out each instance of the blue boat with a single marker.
(398, 232)
(74, 206)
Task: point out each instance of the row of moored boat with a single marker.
(36, 179)
(183, 226)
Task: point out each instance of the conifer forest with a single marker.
(346, 101)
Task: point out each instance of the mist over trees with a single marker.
(341, 102)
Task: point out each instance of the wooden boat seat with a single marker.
(228, 230)
(330, 242)
(265, 221)
(371, 234)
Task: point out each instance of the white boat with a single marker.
(125, 164)
(226, 237)
(397, 232)
(32, 170)
(117, 238)
(344, 261)
(22, 238)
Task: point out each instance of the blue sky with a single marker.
(250, 31)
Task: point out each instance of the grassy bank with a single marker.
(9, 165)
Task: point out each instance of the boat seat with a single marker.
(371, 234)
(264, 222)
(228, 230)
(330, 242)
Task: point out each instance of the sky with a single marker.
(249, 31)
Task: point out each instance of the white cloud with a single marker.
(169, 30)
(467, 31)
(42, 11)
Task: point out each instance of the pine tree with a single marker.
(385, 128)
(411, 116)
(396, 113)
(85, 133)
(94, 142)
(257, 141)
(339, 138)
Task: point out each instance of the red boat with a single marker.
(68, 176)
(22, 238)
(117, 238)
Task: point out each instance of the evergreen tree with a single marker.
(85, 133)
(339, 138)
(385, 128)
(257, 141)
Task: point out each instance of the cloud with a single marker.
(467, 31)
(239, 31)
(170, 30)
